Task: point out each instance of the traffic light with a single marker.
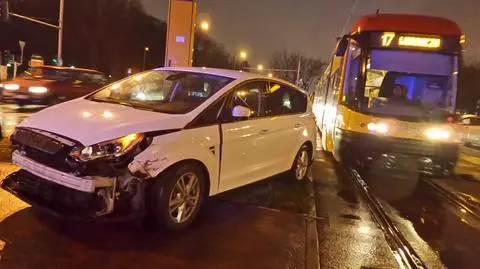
(4, 11)
(7, 57)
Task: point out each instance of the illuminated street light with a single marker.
(243, 55)
(260, 67)
(145, 51)
(270, 75)
(205, 26)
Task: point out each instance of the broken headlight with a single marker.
(109, 149)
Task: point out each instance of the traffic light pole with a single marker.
(59, 27)
(60, 33)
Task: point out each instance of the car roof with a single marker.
(469, 116)
(233, 74)
(69, 68)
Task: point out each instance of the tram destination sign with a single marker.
(413, 41)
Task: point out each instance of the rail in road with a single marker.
(462, 202)
(401, 248)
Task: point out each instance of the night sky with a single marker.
(310, 26)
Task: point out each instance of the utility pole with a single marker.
(60, 33)
(298, 71)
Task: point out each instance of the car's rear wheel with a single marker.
(177, 196)
(301, 164)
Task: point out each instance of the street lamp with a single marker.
(145, 51)
(205, 26)
(260, 67)
(270, 75)
(243, 55)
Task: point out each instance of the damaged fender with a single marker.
(199, 144)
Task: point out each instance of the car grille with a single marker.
(37, 141)
(43, 149)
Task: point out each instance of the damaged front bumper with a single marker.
(78, 198)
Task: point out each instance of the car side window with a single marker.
(248, 95)
(466, 121)
(210, 115)
(284, 100)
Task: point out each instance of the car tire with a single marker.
(177, 196)
(301, 164)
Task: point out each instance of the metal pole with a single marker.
(33, 20)
(60, 33)
(15, 66)
(298, 71)
(144, 59)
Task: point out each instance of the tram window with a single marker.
(397, 85)
(353, 77)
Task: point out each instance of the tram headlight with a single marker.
(437, 134)
(381, 128)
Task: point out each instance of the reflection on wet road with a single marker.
(420, 210)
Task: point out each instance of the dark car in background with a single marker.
(48, 85)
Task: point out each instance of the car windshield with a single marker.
(172, 92)
(409, 84)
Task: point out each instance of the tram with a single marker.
(389, 92)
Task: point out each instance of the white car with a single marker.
(469, 127)
(159, 142)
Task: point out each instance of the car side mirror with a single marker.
(241, 112)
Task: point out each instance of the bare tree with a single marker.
(311, 69)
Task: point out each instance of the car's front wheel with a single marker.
(177, 196)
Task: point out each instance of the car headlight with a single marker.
(438, 134)
(11, 87)
(381, 128)
(38, 89)
(109, 149)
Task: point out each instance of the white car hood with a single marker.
(91, 122)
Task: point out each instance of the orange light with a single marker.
(243, 55)
(127, 140)
(205, 26)
(422, 42)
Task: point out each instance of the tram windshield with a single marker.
(410, 84)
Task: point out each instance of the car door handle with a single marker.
(264, 131)
(298, 125)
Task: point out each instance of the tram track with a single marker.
(403, 252)
(455, 199)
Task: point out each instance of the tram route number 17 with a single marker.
(387, 39)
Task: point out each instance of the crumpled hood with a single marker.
(91, 122)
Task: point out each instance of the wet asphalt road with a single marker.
(260, 226)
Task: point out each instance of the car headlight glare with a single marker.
(109, 149)
(380, 128)
(11, 87)
(38, 89)
(437, 134)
